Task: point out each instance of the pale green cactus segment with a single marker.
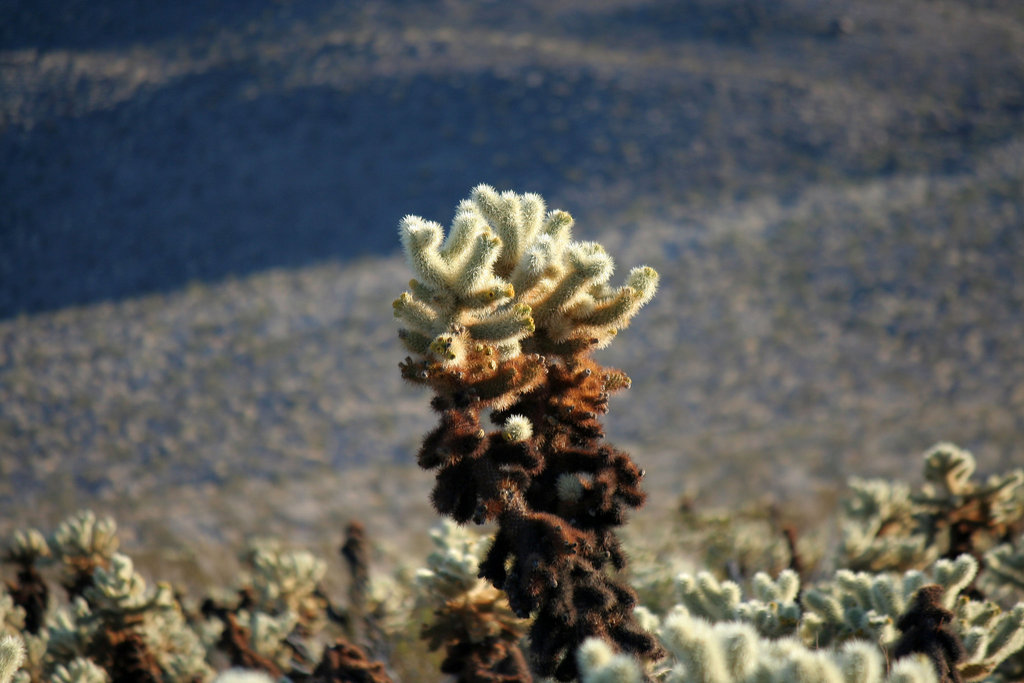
(476, 273)
(118, 588)
(1004, 566)
(558, 226)
(590, 260)
(452, 568)
(707, 597)
(537, 263)
(810, 666)
(12, 616)
(243, 676)
(415, 341)
(954, 576)
(948, 470)
(696, 646)
(284, 581)
(774, 613)
(516, 219)
(740, 646)
(507, 325)
(886, 599)
(415, 313)
(588, 264)
(534, 213)
(913, 669)
(602, 311)
(421, 241)
(268, 634)
(79, 670)
(421, 291)
(861, 662)
(488, 297)
(466, 225)
(950, 466)
(28, 546)
(598, 663)
(83, 535)
(876, 505)
(12, 655)
(999, 640)
(732, 652)
(70, 631)
(825, 605)
(613, 311)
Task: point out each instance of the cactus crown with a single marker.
(509, 275)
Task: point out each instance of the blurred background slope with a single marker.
(198, 211)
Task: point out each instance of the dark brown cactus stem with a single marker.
(344, 662)
(32, 594)
(121, 650)
(556, 496)
(234, 641)
(356, 552)
(927, 628)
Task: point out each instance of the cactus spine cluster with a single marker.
(503, 315)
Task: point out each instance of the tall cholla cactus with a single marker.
(502, 315)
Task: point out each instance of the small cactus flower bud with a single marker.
(517, 428)
(569, 487)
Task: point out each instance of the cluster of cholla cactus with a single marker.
(112, 627)
(502, 316)
(888, 526)
(946, 618)
(842, 630)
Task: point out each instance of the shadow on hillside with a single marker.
(238, 169)
(84, 24)
(199, 180)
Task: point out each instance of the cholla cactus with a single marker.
(243, 676)
(132, 632)
(287, 581)
(471, 618)
(12, 655)
(599, 663)
(26, 550)
(733, 652)
(503, 314)
(964, 509)
(773, 611)
(280, 616)
(12, 616)
(79, 670)
(990, 637)
(1004, 569)
(867, 606)
(82, 543)
(880, 530)
(889, 527)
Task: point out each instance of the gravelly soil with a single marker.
(833, 194)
